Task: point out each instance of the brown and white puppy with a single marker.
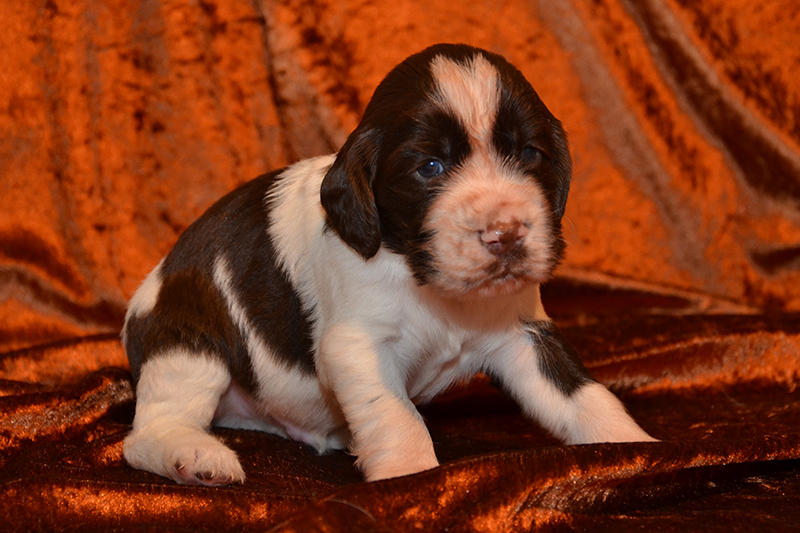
(322, 301)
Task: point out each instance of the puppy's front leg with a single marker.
(389, 436)
(551, 384)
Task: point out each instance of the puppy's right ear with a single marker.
(347, 197)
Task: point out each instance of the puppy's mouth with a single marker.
(503, 277)
(477, 272)
(502, 285)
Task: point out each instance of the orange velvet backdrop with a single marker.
(122, 121)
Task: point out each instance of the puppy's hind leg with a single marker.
(177, 396)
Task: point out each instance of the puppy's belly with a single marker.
(322, 429)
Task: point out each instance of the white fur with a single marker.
(177, 396)
(471, 92)
(381, 341)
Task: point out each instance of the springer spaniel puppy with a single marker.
(322, 301)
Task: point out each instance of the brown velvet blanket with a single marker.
(120, 122)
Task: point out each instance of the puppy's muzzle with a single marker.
(504, 238)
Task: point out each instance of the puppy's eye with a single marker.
(531, 155)
(430, 168)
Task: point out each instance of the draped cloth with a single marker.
(121, 122)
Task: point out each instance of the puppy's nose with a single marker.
(503, 238)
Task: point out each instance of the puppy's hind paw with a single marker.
(208, 463)
(184, 454)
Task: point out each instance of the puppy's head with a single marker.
(458, 166)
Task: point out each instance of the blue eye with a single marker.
(430, 168)
(531, 155)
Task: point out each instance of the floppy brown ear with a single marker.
(347, 197)
(562, 168)
(563, 171)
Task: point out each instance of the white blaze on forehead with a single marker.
(470, 91)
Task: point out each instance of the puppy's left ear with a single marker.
(562, 187)
(562, 168)
(347, 197)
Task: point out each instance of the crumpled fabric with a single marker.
(720, 394)
(120, 123)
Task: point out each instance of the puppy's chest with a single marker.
(432, 355)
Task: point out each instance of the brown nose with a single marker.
(503, 238)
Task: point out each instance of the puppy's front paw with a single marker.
(405, 457)
(402, 466)
(603, 418)
(186, 455)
